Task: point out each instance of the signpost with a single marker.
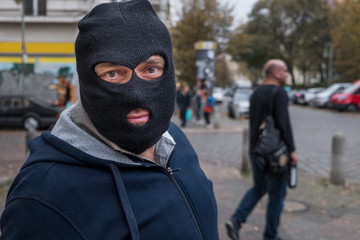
(205, 62)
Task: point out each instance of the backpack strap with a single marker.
(271, 109)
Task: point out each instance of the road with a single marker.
(313, 131)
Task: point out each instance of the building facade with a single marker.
(37, 45)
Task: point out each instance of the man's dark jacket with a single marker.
(64, 193)
(260, 108)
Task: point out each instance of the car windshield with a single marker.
(351, 89)
(315, 90)
(241, 96)
(331, 89)
(217, 90)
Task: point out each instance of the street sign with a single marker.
(205, 45)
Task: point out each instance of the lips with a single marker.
(138, 116)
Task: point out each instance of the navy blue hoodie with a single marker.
(62, 192)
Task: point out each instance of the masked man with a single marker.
(114, 166)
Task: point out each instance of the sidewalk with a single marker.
(314, 210)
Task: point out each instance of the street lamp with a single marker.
(23, 46)
(329, 53)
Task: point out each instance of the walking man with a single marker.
(275, 71)
(114, 166)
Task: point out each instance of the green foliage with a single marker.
(346, 39)
(202, 20)
(292, 30)
(222, 71)
(18, 68)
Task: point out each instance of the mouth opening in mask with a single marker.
(138, 116)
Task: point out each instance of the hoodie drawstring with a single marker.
(130, 218)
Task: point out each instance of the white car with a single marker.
(218, 94)
(239, 105)
(309, 94)
(323, 99)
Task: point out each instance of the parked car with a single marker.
(218, 94)
(310, 94)
(298, 96)
(290, 93)
(322, 99)
(349, 99)
(239, 104)
(27, 112)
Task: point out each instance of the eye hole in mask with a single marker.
(151, 69)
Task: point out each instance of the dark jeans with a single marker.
(275, 186)
(207, 118)
(198, 107)
(183, 116)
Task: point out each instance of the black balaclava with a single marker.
(125, 33)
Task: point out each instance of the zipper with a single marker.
(171, 171)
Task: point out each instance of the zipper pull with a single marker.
(171, 171)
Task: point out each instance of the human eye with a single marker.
(155, 70)
(110, 75)
(113, 73)
(114, 76)
(151, 69)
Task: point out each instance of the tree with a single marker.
(346, 39)
(292, 30)
(202, 20)
(222, 71)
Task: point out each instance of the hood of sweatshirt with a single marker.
(75, 127)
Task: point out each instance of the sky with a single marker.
(241, 10)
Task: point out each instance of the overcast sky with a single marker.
(241, 10)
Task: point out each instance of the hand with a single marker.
(294, 158)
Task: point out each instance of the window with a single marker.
(42, 7)
(35, 7)
(28, 7)
(4, 102)
(16, 102)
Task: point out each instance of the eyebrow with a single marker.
(155, 60)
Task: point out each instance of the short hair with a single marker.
(271, 66)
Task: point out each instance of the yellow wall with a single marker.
(55, 52)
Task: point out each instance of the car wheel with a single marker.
(31, 123)
(351, 108)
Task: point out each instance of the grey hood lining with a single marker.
(76, 128)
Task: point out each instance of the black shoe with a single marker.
(232, 229)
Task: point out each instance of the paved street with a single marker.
(313, 130)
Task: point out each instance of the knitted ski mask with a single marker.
(125, 33)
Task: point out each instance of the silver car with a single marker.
(239, 104)
(323, 99)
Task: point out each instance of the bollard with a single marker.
(336, 172)
(216, 117)
(30, 134)
(244, 168)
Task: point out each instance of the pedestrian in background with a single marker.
(184, 103)
(275, 185)
(208, 108)
(114, 166)
(199, 99)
